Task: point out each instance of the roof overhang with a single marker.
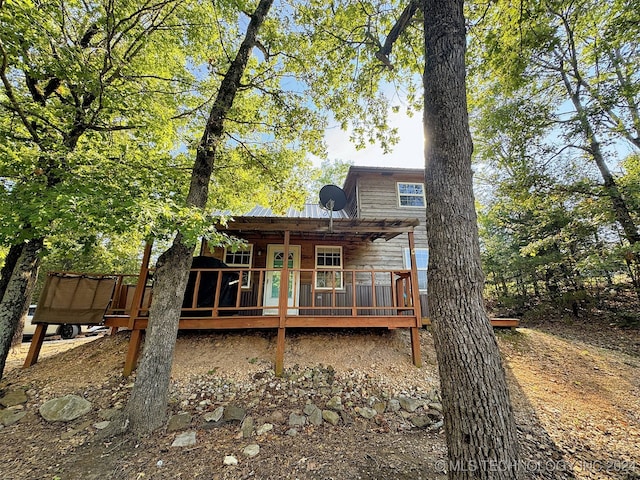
(349, 229)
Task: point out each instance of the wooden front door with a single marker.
(275, 261)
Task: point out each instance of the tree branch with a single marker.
(405, 17)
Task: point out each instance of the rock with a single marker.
(15, 397)
(276, 417)
(410, 404)
(421, 421)
(346, 418)
(247, 427)
(296, 420)
(330, 416)
(185, 439)
(102, 425)
(251, 450)
(179, 422)
(230, 460)
(394, 405)
(233, 414)
(309, 408)
(9, 417)
(335, 403)
(315, 415)
(264, 428)
(65, 409)
(366, 412)
(214, 416)
(436, 406)
(380, 407)
(433, 414)
(292, 432)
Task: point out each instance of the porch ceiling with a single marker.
(344, 228)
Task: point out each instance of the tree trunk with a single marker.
(146, 409)
(479, 422)
(17, 294)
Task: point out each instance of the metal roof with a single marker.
(309, 210)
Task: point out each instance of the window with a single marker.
(411, 194)
(240, 258)
(422, 260)
(328, 268)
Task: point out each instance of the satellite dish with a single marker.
(332, 198)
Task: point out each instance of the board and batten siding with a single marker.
(377, 197)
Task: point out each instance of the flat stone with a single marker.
(251, 450)
(330, 416)
(410, 404)
(380, 407)
(310, 408)
(185, 439)
(366, 412)
(65, 409)
(315, 418)
(14, 397)
(230, 460)
(233, 414)
(102, 425)
(262, 429)
(179, 422)
(9, 417)
(296, 420)
(247, 427)
(421, 421)
(346, 418)
(292, 432)
(214, 416)
(335, 403)
(394, 405)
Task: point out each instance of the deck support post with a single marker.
(136, 305)
(280, 352)
(415, 293)
(283, 305)
(36, 345)
(133, 351)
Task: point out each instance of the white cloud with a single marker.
(407, 153)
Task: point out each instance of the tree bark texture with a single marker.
(146, 409)
(17, 294)
(479, 422)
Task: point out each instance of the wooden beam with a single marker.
(132, 353)
(36, 345)
(415, 293)
(283, 304)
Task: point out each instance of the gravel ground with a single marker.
(576, 404)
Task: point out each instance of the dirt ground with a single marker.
(575, 390)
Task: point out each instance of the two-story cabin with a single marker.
(363, 267)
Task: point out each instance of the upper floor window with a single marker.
(411, 194)
(329, 267)
(240, 258)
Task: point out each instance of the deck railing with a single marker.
(312, 292)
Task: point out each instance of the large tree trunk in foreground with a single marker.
(146, 409)
(17, 293)
(479, 423)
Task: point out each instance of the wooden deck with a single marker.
(495, 322)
